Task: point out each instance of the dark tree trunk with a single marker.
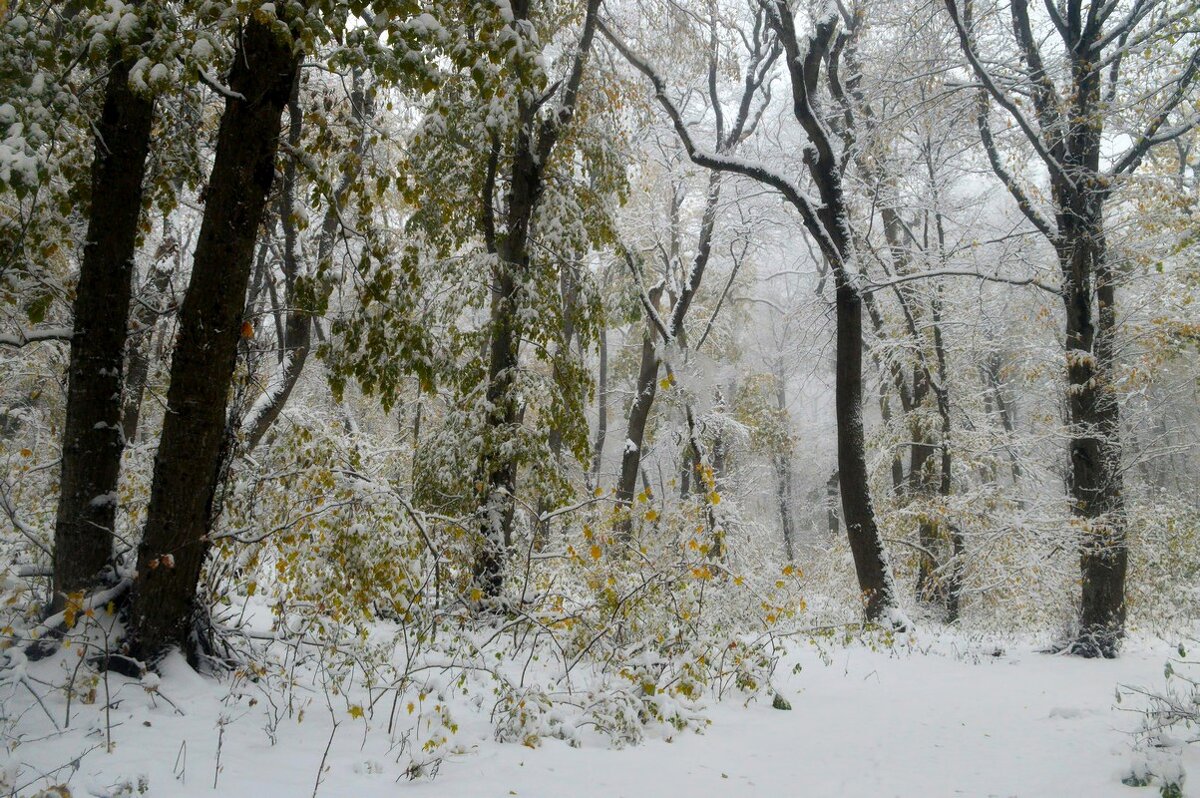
(830, 226)
(93, 438)
(861, 528)
(635, 435)
(1095, 479)
(1070, 121)
(828, 223)
(190, 452)
(1092, 407)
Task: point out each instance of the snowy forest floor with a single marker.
(944, 715)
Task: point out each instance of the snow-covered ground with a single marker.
(940, 718)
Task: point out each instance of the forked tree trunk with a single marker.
(532, 147)
(299, 319)
(1089, 295)
(190, 452)
(92, 434)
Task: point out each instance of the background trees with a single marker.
(508, 230)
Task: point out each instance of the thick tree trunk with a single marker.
(532, 147)
(1095, 480)
(190, 452)
(865, 542)
(503, 416)
(93, 438)
(1092, 407)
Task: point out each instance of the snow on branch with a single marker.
(725, 163)
(871, 286)
(968, 48)
(1154, 134)
(23, 337)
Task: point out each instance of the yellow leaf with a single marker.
(476, 594)
(651, 515)
(356, 711)
(595, 550)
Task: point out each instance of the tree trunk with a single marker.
(190, 452)
(1096, 485)
(1092, 407)
(832, 519)
(861, 528)
(601, 409)
(533, 144)
(920, 487)
(92, 434)
(635, 435)
(783, 476)
(783, 491)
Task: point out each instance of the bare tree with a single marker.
(1074, 95)
(809, 60)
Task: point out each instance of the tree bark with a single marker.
(601, 409)
(190, 453)
(92, 434)
(635, 434)
(865, 541)
(783, 477)
(1092, 407)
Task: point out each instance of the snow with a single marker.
(944, 716)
